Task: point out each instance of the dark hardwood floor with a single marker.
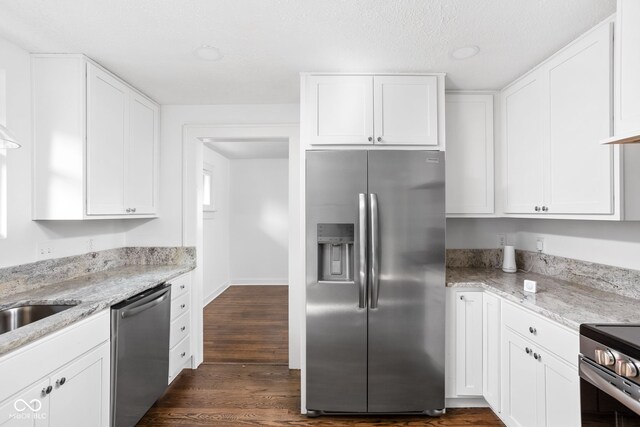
(248, 324)
(245, 380)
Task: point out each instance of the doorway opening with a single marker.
(245, 201)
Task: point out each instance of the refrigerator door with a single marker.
(407, 281)
(336, 294)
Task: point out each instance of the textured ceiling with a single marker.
(266, 43)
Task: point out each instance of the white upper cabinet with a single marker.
(107, 127)
(341, 109)
(141, 166)
(553, 120)
(406, 110)
(579, 168)
(374, 109)
(95, 143)
(470, 185)
(627, 65)
(522, 135)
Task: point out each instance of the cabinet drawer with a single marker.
(179, 306)
(179, 286)
(540, 331)
(178, 356)
(179, 329)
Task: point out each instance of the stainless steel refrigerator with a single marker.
(375, 281)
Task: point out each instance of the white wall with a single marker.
(259, 221)
(167, 229)
(612, 243)
(24, 236)
(216, 230)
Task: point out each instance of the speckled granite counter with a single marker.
(91, 292)
(565, 302)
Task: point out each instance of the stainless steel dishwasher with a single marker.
(139, 354)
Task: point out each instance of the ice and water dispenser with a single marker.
(335, 252)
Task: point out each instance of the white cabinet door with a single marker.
(140, 191)
(627, 92)
(491, 324)
(559, 392)
(81, 391)
(406, 110)
(522, 107)
(341, 109)
(469, 343)
(520, 406)
(578, 168)
(107, 134)
(469, 133)
(29, 408)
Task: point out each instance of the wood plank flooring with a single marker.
(248, 324)
(245, 380)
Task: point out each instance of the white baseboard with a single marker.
(250, 282)
(465, 402)
(215, 294)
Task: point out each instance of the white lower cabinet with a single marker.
(491, 325)
(468, 343)
(179, 337)
(523, 365)
(63, 379)
(539, 388)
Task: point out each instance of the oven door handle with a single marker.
(595, 377)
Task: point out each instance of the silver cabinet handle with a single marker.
(374, 250)
(362, 249)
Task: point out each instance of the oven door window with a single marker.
(599, 409)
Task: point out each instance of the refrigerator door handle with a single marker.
(374, 249)
(362, 250)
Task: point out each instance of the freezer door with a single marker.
(336, 306)
(407, 281)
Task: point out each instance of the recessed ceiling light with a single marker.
(208, 53)
(465, 52)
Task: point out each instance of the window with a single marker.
(208, 193)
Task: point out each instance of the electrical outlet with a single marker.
(540, 244)
(502, 240)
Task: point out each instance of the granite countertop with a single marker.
(92, 293)
(567, 303)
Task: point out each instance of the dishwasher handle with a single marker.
(145, 303)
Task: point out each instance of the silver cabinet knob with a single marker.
(183, 354)
(181, 286)
(532, 330)
(537, 356)
(528, 350)
(133, 209)
(370, 139)
(379, 139)
(537, 208)
(604, 357)
(183, 305)
(545, 209)
(626, 368)
(128, 210)
(461, 297)
(183, 328)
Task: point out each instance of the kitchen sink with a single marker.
(13, 318)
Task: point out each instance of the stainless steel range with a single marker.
(609, 375)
